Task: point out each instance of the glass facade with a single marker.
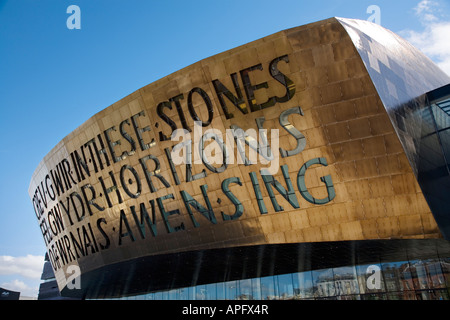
(410, 279)
(434, 155)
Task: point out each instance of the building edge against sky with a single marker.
(358, 186)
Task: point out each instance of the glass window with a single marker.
(406, 277)
(423, 295)
(345, 281)
(427, 274)
(201, 293)
(157, 296)
(231, 291)
(220, 291)
(192, 293)
(165, 295)
(211, 291)
(373, 296)
(303, 285)
(397, 276)
(245, 290)
(268, 288)
(285, 287)
(435, 274)
(173, 294)
(323, 281)
(256, 288)
(394, 296)
(350, 297)
(445, 266)
(415, 279)
(440, 294)
(443, 125)
(183, 294)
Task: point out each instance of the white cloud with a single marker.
(433, 39)
(20, 286)
(425, 10)
(29, 266)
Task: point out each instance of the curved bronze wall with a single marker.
(111, 191)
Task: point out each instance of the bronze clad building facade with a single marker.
(307, 164)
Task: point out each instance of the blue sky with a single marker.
(52, 79)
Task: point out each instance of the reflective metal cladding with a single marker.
(309, 135)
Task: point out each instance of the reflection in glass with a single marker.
(407, 278)
(397, 276)
(432, 295)
(434, 154)
(256, 289)
(285, 286)
(303, 285)
(323, 281)
(349, 297)
(182, 294)
(268, 288)
(245, 290)
(201, 293)
(192, 293)
(173, 295)
(445, 266)
(345, 281)
(417, 279)
(220, 291)
(420, 277)
(405, 295)
(231, 291)
(211, 291)
(427, 274)
(374, 296)
(441, 112)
